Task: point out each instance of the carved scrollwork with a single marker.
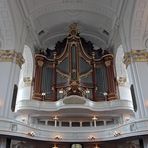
(135, 56)
(11, 56)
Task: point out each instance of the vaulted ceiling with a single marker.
(97, 19)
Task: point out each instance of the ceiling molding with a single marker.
(85, 6)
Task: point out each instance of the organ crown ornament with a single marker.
(73, 29)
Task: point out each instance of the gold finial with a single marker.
(73, 29)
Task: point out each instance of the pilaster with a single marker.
(110, 78)
(10, 64)
(137, 63)
(38, 78)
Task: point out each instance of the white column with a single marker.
(91, 124)
(8, 77)
(60, 123)
(104, 122)
(55, 123)
(46, 122)
(80, 124)
(94, 121)
(139, 74)
(70, 124)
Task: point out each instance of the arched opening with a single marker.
(122, 79)
(122, 76)
(25, 79)
(121, 71)
(76, 146)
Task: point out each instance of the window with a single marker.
(133, 97)
(15, 89)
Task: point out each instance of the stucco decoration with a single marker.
(11, 56)
(122, 80)
(135, 56)
(27, 81)
(74, 99)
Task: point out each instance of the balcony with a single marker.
(88, 134)
(75, 104)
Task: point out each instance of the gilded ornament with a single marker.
(40, 63)
(73, 29)
(135, 56)
(107, 63)
(11, 56)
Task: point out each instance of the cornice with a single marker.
(135, 56)
(11, 56)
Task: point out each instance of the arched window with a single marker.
(25, 79)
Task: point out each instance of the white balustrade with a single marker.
(15, 128)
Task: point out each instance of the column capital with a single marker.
(135, 56)
(11, 56)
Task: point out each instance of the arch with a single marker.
(26, 74)
(120, 66)
(122, 76)
(76, 146)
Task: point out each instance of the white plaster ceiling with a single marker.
(54, 16)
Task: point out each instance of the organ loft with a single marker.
(74, 67)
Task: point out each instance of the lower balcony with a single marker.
(74, 134)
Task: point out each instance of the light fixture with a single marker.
(92, 138)
(87, 91)
(105, 93)
(43, 93)
(117, 133)
(55, 118)
(58, 137)
(94, 118)
(61, 91)
(55, 146)
(32, 133)
(96, 146)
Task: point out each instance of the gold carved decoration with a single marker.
(135, 56)
(40, 63)
(107, 63)
(11, 56)
(73, 29)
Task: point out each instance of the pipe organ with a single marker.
(74, 67)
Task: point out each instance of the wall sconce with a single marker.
(55, 118)
(55, 146)
(32, 133)
(87, 91)
(92, 138)
(58, 137)
(96, 146)
(94, 118)
(61, 91)
(105, 93)
(43, 94)
(117, 133)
